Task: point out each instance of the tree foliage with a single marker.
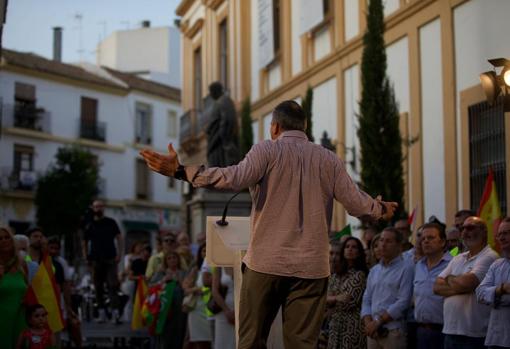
(307, 106)
(379, 132)
(246, 134)
(65, 191)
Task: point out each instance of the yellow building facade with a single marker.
(436, 50)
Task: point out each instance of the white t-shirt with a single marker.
(462, 313)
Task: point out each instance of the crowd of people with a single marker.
(448, 290)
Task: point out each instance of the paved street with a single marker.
(108, 335)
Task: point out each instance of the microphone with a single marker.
(222, 222)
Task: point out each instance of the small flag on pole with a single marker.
(44, 290)
(345, 231)
(490, 210)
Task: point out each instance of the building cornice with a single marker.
(190, 33)
(64, 80)
(21, 132)
(183, 7)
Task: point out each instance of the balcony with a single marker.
(27, 117)
(93, 131)
(11, 179)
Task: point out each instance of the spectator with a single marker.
(101, 233)
(128, 285)
(415, 253)
(465, 320)
(155, 261)
(345, 290)
(453, 239)
(428, 307)
(200, 240)
(38, 335)
(13, 285)
(22, 244)
(374, 255)
(197, 283)
(388, 295)
(175, 325)
(403, 226)
(184, 250)
(63, 274)
(37, 240)
(495, 292)
(224, 321)
(461, 216)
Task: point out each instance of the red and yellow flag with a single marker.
(137, 322)
(45, 291)
(490, 210)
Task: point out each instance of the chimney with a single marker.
(57, 44)
(146, 24)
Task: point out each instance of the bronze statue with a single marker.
(222, 130)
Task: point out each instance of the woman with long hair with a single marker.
(13, 285)
(345, 292)
(198, 283)
(175, 324)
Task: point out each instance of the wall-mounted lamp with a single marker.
(493, 84)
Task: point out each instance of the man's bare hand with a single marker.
(161, 163)
(390, 208)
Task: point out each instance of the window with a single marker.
(143, 123)
(89, 127)
(487, 150)
(23, 170)
(197, 79)
(223, 42)
(276, 26)
(25, 111)
(171, 183)
(172, 124)
(142, 180)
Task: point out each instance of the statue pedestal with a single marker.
(205, 203)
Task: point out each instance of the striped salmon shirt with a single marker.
(292, 183)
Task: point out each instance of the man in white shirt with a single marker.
(466, 320)
(495, 292)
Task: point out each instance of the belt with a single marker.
(430, 326)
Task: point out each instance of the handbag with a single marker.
(189, 303)
(214, 307)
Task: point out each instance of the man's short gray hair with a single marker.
(290, 116)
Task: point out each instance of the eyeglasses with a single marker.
(169, 241)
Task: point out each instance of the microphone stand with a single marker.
(222, 222)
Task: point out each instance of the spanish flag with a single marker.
(45, 291)
(137, 322)
(490, 210)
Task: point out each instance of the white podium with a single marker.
(226, 246)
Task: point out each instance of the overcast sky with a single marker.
(85, 22)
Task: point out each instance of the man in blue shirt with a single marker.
(428, 307)
(388, 295)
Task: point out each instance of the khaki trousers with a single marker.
(303, 304)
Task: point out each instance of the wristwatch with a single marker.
(180, 173)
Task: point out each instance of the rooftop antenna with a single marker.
(78, 17)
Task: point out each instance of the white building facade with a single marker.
(150, 53)
(113, 117)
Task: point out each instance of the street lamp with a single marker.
(493, 84)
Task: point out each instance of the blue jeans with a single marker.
(452, 341)
(427, 338)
